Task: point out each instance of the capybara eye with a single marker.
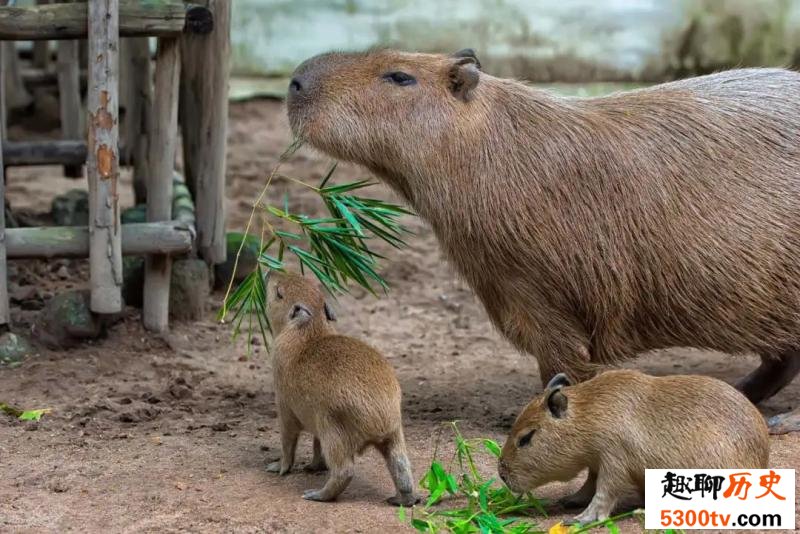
(525, 440)
(400, 78)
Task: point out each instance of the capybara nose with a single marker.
(295, 86)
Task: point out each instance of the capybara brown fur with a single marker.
(620, 423)
(334, 387)
(592, 229)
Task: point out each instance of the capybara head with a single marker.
(544, 443)
(295, 301)
(365, 107)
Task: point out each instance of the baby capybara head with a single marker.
(295, 301)
(544, 443)
(377, 107)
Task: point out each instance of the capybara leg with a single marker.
(394, 452)
(338, 480)
(785, 422)
(290, 431)
(603, 502)
(318, 461)
(339, 458)
(583, 496)
(770, 377)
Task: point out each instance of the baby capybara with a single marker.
(592, 229)
(620, 423)
(338, 389)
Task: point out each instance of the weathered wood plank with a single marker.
(5, 316)
(69, 98)
(204, 116)
(49, 152)
(105, 257)
(138, 96)
(73, 241)
(164, 123)
(136, 19)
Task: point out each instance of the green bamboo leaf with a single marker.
(492, 447)
(328, 175)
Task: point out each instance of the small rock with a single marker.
(71, 209)
(22, 293)
(63, 272)
(67, 319)
(247, 261)
(189, 289)
(13, 349)
(220, 427)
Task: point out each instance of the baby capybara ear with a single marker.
(464, 76)
(558, 381)
(329, 315)
(300, 314)
(468, 52)
(557, 403)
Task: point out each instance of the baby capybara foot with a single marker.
(406, 499)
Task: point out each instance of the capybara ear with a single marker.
(329, 312)
(469, 52)
(557, 403)
(464, 77)
(300, 314)
(559, 381)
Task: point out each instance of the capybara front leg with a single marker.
(604, 500)
(583, 496)
(318, 461)
(290, 431)
(785, 422)
(394, 452)
(771, 376)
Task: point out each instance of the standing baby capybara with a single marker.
(338, 389)
(592, 229)
(620, 423)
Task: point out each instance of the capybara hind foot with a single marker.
(338, 480)
(771, 376)
(785, 422)
(317, 463)
(403, 499)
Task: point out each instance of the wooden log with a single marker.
(105, 257)
(138, 94)
(17, 97)
(136, 19)
(5, 315)
(26, 153)
(204, 116)
(69, 98)
(73, 241)
(164, 122)
(34, 78)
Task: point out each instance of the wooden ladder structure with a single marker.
(190, 75)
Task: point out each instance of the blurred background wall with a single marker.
(537, 40)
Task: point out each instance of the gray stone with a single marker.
(13, 349)
(247, 261)
(133, 280)
(136, 214)
(67, 319)
(189, 289)
(71, 209)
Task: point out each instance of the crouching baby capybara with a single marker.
(335, 387)
(620, 423)
(592, 229)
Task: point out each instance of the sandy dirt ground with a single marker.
(173, 434)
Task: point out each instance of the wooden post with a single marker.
(69, 98)
(204, 115)
(41, 49)
(164, 121)
(16, 95)
(5, 315)
(138, 96)
(105, 253)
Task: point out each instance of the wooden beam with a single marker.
(164, 122)
(204, 118)
(105, 253)
(138, 96)
(49, 152)
(136, 19)
(5, 315)
(69, 99)
(73, 241)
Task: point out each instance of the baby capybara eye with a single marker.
(400, 78)
(525, 439)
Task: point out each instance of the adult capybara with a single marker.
(620, 423)
(592, 229)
